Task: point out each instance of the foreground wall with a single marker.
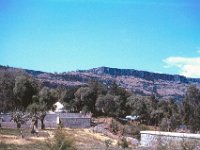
(151, 138)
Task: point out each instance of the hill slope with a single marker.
(142, 82)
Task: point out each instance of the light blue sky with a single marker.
(64, 35)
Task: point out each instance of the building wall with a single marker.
(76, 122)
(72, 120)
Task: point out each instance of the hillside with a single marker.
(83, 139)
(141, 82)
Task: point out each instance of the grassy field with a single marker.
(12, 139)
(84, 139)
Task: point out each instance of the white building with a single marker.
(59, 107)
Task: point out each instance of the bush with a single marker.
(144, 127)
(3, 145)
(60, 142)
(123, 143)
(134, 130)
(114, 126)
(131, 130)
(108, 143)
(164, 125)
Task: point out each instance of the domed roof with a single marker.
(59, 107)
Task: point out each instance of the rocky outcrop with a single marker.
(139, 74)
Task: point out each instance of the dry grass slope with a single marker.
(84, 139)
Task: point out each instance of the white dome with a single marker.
(59, 107)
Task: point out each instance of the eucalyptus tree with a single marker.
(42, 103)
(7, 83)
(19, 118)
(25, 87)
(109, 105)
(84, 99)
(38, 111)
(191, 106)
(137, 105)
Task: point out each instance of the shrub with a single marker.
(108, 143)
(60, 142)
(123, 143)
(114, 126)
(3, 145)
(143, 127)
(164, 125)
(134, 130)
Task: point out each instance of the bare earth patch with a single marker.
(86, 139)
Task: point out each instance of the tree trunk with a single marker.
(42, 124)
(18, 125)
(42, 116)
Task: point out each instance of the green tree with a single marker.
(61, 141)
(84, 99)
(165, 114)
(7, 83)
(19, 118)
(68, 99)
(108, 104)
(38, 110)
(48, 96)
(123, 95)
(191, 105)
(42, 103)
(25, 88)
(155, 113)
(137, 105)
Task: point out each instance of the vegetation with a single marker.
(80, 139)
(7, 83)
(60, 142)
(20, 92)
(114, 126)
(123, 143)
(133, 130)
(19, 118)
(191, 107)
(108, 143)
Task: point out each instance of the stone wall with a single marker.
(151, 138)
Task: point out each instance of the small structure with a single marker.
(52, 119)
(72, 120)
(75, 120)
(59, 107)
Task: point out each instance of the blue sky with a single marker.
(65, 35)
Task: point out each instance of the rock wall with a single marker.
(152, 138)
